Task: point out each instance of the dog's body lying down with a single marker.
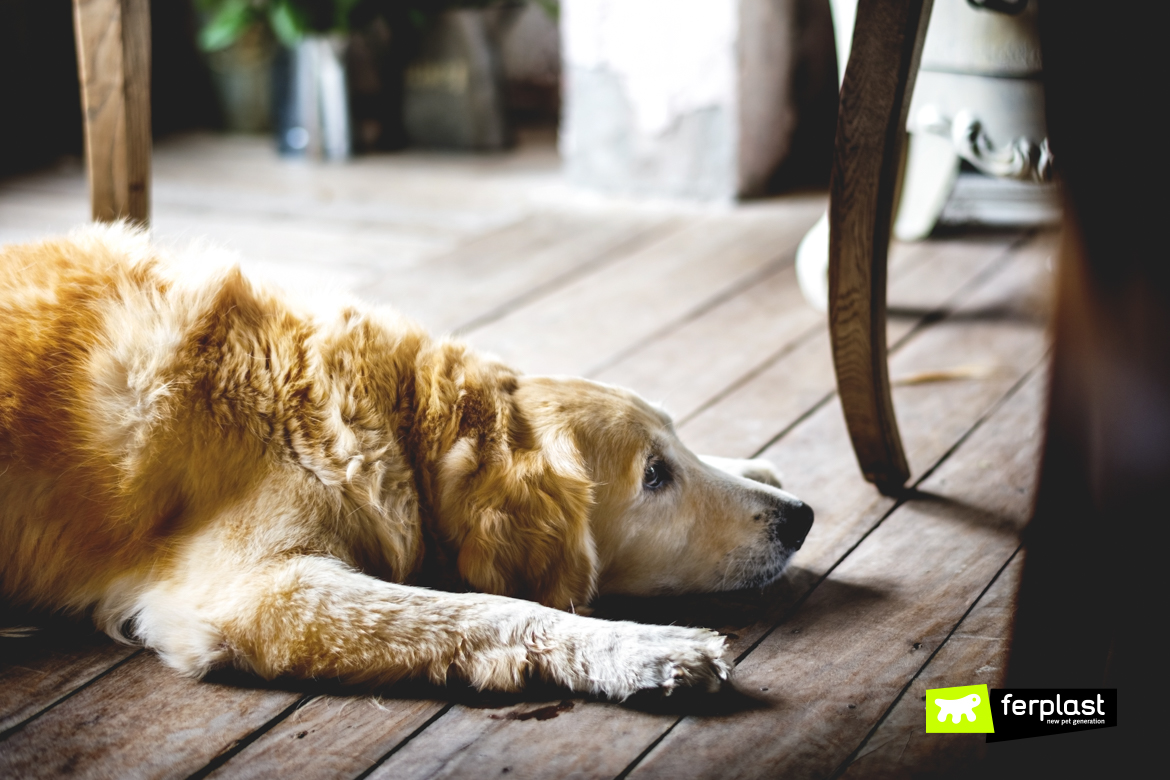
(239, 482)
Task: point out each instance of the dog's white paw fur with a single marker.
(755, 469)
(619, 659)
(684, 657)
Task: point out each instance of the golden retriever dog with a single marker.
(237, 480)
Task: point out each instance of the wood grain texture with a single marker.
(829, 673)
(589, 323)
(729, 341)
(113, 55)
(36, 672)
(558, 738)
(871, 122)
(484, 279)
(331, 736)
(140, 720)
(977, 652)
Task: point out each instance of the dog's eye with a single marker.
(657, 475)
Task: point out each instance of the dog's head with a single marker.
(595, 493)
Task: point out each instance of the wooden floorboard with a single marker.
(730, 340)
(39, 671)
(332, 736)
(583, 326)
(976, 653)
(696, 308)
(141, 720)
(485, 279)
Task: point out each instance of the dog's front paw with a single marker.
(762, 471)
(658, 657)
(755, 469)
(684, 657)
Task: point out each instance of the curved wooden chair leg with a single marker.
(113, 60)
(871, 127)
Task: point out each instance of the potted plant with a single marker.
(311, 110)
(427, 71)
(239, 53)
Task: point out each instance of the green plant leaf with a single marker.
(341, 11)
(289, 22)
(227, 23)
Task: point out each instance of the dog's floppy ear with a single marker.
(519, 516)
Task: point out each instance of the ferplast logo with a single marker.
(962, 710)
(1038, 712)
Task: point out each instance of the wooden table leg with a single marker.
(113, 57)
(871, 127)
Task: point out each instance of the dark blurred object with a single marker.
(1107, 457)
(1012, 7)
(1093, 587)
(530, 56)
(814, 97)
(469, 79)
(454, 97)
(40, 90)
(517, 52)
(376, 61)
(182, 96)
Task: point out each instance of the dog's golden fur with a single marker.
(238, 480)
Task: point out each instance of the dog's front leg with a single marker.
(314, 617)
(755, 469)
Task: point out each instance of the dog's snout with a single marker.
(792, 524)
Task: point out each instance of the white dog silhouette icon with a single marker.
(957, 708)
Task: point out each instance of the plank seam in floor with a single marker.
(232, 750)
(653, 744)
(845, 764)
(927, 319)
(765, 271)
(944, 310)
(636, 243)
(406, 740)
(66, 696)
(797, 342)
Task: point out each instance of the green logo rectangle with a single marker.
(962, 710)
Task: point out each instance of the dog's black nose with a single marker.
(794, 524)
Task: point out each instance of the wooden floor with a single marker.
(695, 307)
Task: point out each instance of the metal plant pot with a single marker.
(312, 99)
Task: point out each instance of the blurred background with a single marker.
(471, 75)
